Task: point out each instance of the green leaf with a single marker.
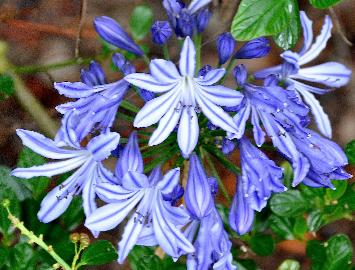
(290, 265)
(4, 253)
(324, 3)
(348, 199)
(257, 18)
(15, 184)
(281, 226)
(143, 258)
(350, 152)
(141, 21)
(246, 264)
(338, 253)
(315, 220)
(6, 86)
(288, 204)
(315, 250)
(288, 38)
(74, 215)
(222, 158)
(99, 252)
(262, 244)
(300, 227)
(37, 185)
(340, 188)
(288, 174)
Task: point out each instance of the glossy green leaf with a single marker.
(246, 264)
(340, 188)
(338, 253)
(257, 18)
(15, 184)
(281, 226)
(4, 253)
(350, 152)
(315, 220)
(99, 252)
(300, 227)
(324, 3)
(348, 198)
(288, 38)
(262, 244)
(6, 86)
(315, 250)
(287, 204)
(141, 21)
(37, 185)
(290, 265)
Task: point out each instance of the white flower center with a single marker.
(187, 91)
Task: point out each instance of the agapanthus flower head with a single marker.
(330, 74)
(183, 97)
(255, 48)
(85, 160)
(154, 221)
(161, 32)
(225, 47)
(187, 20)
(110, 31)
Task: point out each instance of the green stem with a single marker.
(207, 156)
(146, 59)
(33, 107)
(228, 69)
(35, 239)
(197, 41)
(166, 52)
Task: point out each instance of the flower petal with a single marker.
(109, 216)
(195, 5)
(50, 169)
(259, 134)
(154, 109)
(320, 116)
(150, 83)
(113, 193)
(307, 32)
(77, 89)
(169, 181)
(101, 146)
(164, 71)
(134, 181)
(188, 131)
(221, 95)
(187, 63)
(212, 77)
(319, 44)
(44, 146)
(309, 88)
(262, 74)
(330, 74)
(241, 118)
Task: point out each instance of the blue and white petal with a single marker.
(150, 83)
(164, 71)
(187, 63)
(101, 146)
(188, 131)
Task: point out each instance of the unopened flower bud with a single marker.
(74, 237)
(84, 240)
(225, 47)
(255, 48)
(161, 32)
(240, 74)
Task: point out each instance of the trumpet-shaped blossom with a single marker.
(154, 221)
(183, 97)
(212, 246)
(260, 175)
(95, 107)
(330, 74)
(88, 174)
(187, 20)
(110, 31)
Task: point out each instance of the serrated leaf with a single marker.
(290, 265)
(6, 85)
(338, 253)
(141, 21)
(324, 3)
(350, 152)
(262, 244)
(288, 38)
(99, 252)
(256, 18)
(287, 204)
(37, 185)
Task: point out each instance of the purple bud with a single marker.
(255, 48)
(118, 60)
(128, 68)
(240, 74)
(227, 146)
(202, 20)
(161, 32)
(211, 126)
(271, 80)
(204, 70)
(225, 47)
(185, 24)
(146, 95)
(175, 195)
(212, 181)
(241, 216)
(110, 31)
(94, 75)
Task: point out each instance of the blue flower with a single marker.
(260, 175)
(186, 20)
(227, 146)
(206, 229)
(330, 74)
(183, 97)
(255, 48)
(94, 75)
(87, 162)
(110, 31)
(161, 32)
(225, 47)
(154, 221)
(95, 107)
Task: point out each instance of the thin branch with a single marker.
(84, 5)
